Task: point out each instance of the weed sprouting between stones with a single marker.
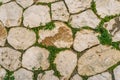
(9, 76)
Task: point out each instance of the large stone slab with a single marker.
(10, 58)
(3, 34)
(59, 11)
(11, 14)
(36, 15)
(117, 72)
(2, 73)
(21, 38)
(23, 74)
(35, 57)
(86, 18)
(60, 36)
(107, 7)
(97, 59)
(85, 39)
(66, 62)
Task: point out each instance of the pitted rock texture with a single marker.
(3, 34)
(107, 7)
(36, 15)
(36, 58)
(60, 36)
(11, 14)
(21, 38)
(66, 62)
(97, 59)
(85, 39)
(102, 76)
(10, 58)
(59, 11)
(76, 6)
(23, 74)
(87, 18)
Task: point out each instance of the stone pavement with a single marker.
(60, 40)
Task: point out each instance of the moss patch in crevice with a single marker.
(9, 76)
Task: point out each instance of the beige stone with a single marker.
(23, 74)
(76, 6)
(97, 60)
(59, 11)
(3, 34)
(65, 63)
(85, 39)
(76, 77)
(49, 75)
(107, 7)
(117, 72)
(11, 14)
(86, 18)
(60, 36)
(5, 1)
(2, 73)
(21, 38)
(102, 76)
(10, 58)
(35, 57)
(36, 15)
(25, 3)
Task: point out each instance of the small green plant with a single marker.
(49, 26)
(9, 76)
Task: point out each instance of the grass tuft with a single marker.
(9, 76)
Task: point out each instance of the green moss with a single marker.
(9, 76)
(85, 77)
(37, 72)
(113, 67)
(116, 45)
(0, 3)
(49, 26)
(93, 7)
(105, 37)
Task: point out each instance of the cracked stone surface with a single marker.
(59, 39)
(60, 36)
(85, 39)
(107, 7)
(59, 11)
(3, 34)
(97, 59)
(36, 15)
(66, 62)
(87, 18)
(102, 76)
(49, 75)
(21, 38)
(25, 3)
(11, 14)
(10, 58)
(76, 6)
(37, 57)
(2, 73)
(23, 74)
